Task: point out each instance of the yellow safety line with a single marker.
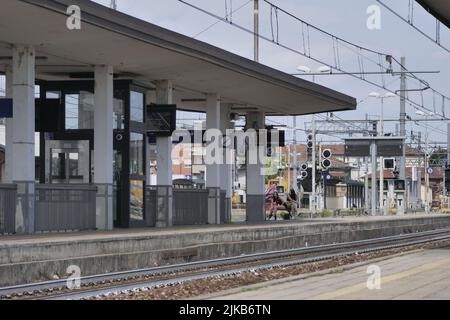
(396, 276)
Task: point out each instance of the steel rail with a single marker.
(182, 267)
(148, 285)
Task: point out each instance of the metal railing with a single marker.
(8, 198)
(190, 206)
(223, 208)
(65, 207)
(150, 206)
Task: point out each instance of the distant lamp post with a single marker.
(307, 70)
(427, 157)
(382, 97)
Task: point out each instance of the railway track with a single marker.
(156, 277)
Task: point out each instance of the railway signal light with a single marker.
(304, 174)
(309, 145)
(447, 179)
(304, 171)
(309, 141)
(326, 162)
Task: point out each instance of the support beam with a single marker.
(373, 200)
(213, 170)
(255, 174)
(366, 184)
(23, 172)
(103, 145)
(164, 178)
(403, 88)
(150, 97)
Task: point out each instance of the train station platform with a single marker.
(47, 256)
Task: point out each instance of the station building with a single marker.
(89, 111)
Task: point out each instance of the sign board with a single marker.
(49, 115)
(161, 120)
(389, 148)
(358, 148)
(6, 108)
(430, 170)
(386, 146)
(389, 163)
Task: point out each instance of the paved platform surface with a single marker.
(418, 276)
(124, 233)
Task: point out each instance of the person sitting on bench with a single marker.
(291, 204)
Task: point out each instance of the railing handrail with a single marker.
(191, 190)
(8, 186)
(77, 187)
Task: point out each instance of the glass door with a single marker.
(68, 162)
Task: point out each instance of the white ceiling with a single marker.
(145, 52)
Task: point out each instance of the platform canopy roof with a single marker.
(438, 8)
(145, 52)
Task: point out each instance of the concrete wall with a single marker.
(34, 260)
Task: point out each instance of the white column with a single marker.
(255, 174)
(226, 175)
(103, 145)
(213, 171)
(8, 128)
(164, 179)
(23, 172)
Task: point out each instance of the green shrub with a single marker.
(325, 213)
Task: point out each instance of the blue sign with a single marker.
(430, 170)
(6, 108)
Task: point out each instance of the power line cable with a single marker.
(410, 21)
(226, 17)
(310, 56)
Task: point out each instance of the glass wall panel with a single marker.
(119, 114)
(79, 110)
(136, 200)
(136, 106)
(136, 154)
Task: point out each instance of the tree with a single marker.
(438, 156)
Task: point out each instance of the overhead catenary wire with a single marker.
(306, 55)
(226, 16)
(410, 21)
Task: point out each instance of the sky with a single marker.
(344, 18)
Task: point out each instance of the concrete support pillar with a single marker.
(23, 172)
(8, 128)
(213, 168)
(255, 173)
(103, 145)
(164, 180)
(226, 175)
